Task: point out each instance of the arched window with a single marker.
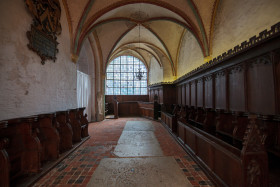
(121, 77)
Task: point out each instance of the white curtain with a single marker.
(83, 92)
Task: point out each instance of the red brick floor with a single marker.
(78, 167)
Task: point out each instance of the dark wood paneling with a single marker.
(165, 93)
(193, 93)
(124, 98)
(65, 131)
(276, 67)
(168, 94)
(128, 109)
(220, 90)
(237, 89)
(170, 120)
(26, 144)
(190, 139)
(4, 157)
(181, 132)
(179, 95)
(188, 94)
(160, 95)
(261, 93)
(200, 93)
(245, 79)
(205, 153)
(183, 94)
(226, 162)
(209, 92)
(232, 164)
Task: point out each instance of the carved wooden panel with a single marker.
(187, 97)
(233, 164)
(277, 78)
(261, 93)
(184, 94)
(160, 95)
(190, 138)
(200, 93)
(220, 90)
(65, 131)
(181, 131)
(151, 94)
(193, 93)
(236, 89)
(209, 92)
(179, 95)
(156, 92)
(129, 109)
(204, 151)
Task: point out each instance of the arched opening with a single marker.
(126, 75)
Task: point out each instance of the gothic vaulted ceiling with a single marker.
(142, 28)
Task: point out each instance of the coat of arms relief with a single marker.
(45, 27)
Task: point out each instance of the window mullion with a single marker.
(120, 62)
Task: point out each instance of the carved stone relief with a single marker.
(45, 28)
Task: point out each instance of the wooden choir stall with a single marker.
(27, 144)
(226, 113)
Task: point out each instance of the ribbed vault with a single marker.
(145, 29)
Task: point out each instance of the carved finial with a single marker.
(252, 141)
(4, 143)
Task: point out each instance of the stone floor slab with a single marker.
(138, 172)
(138, 143)
(139, 126)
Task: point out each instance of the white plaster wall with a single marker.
(168, 75)
(156, 72)
(190, 55)
(83, 61)
(86, 65)
(238, 20)
(100, 80)
(91, 72)
(26, 86)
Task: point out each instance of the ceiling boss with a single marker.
(45, 28)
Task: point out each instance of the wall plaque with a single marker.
(45, 28)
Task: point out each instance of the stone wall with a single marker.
(190, 55)
(156, 72)
(238, 20)
(28, 87)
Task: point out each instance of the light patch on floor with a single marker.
(139, 126)
(138, 140)
(136, 172)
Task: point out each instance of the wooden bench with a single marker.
(227, 164)
(19, 146)
(147, 109)
(74, 121)
(84, 122)
(196, 117)
(48, 136)
(29, 142)
(65, 131)
(4, 158)
(270, 126)
(171, 119)
(225, 126)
